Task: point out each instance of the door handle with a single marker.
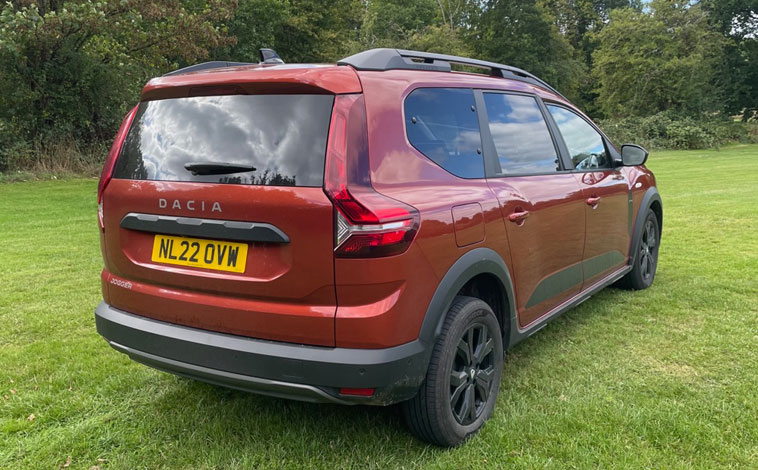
(518, 217)
(593, 201)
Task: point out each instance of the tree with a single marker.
(523, 33)
(578, 21)
(316, 31)
(664, 59)
(255, 24)
(737, 20)
(577, 18)
(69, 68)
(394, 23)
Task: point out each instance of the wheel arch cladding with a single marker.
(474, 270)
(650, 201)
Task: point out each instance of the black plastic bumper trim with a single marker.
(205, 228)
(267, 367)
(246, 383)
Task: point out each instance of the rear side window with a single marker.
(520, 134)
(283, 137)
(442, 124)
(584, 143)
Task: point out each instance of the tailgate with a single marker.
(215, 217)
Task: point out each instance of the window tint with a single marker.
(442, 124)
(520, 133)
(584, 143)
(282, 136)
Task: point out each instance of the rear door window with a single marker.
(520, 134)
(281, 139)
(442, 124)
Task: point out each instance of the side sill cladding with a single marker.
(651, 196)
(475, 262)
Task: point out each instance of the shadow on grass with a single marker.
(223, 421)
(216, 422)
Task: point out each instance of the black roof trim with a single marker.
(216, 64)
(268, 57)
(392, 59)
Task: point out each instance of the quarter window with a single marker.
(522, 139)
(584, 143)
(442, 124)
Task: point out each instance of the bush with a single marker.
(69, 69)
(667, 130)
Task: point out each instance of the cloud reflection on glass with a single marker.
(582, 140)
(282, 136)
(521, 136)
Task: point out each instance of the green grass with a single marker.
(663, 378)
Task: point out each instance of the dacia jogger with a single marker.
(376, 231)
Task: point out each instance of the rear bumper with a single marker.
(286, 370)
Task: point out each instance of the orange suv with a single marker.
(371, 232)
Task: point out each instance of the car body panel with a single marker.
(546, 248)
(286, 292)
(254, 79)
(608, 233)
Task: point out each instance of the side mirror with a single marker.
(633, 155)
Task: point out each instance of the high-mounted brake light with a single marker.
(219, 90)
(110, 162)
(368, 224)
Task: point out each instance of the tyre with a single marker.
(646, 260)
(463, 379)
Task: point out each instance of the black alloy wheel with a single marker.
(471, 376)
(648, 256)
(645, 259)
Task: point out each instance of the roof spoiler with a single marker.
(268, 57)
(393, 59)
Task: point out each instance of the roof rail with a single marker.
(268, 57)
(390, 59)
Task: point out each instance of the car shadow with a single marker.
(278, 429)
(274, 429)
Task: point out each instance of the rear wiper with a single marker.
(214, 168)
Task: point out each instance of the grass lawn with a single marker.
(664, 378)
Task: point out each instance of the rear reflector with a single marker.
(368, 224)
(357, 392)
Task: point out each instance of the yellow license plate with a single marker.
(199, 253)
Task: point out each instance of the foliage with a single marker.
(392, 23)
(737, 72)
(662, 60)
(255, 24)
(522, 33)
(69, 69)
(579, 21)
(428, 25)
(300, 31)
(667, 130)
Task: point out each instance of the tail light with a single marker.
(110, 162)
(368, 224)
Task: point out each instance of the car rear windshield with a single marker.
(271, 140)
